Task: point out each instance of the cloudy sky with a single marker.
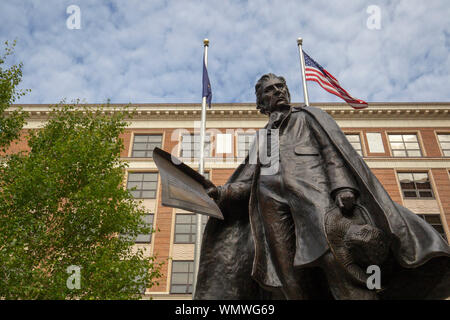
(144, 51)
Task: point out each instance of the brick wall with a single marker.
(163, 223)
(220, 176)
(126, 139)
(430, 143)
(442, 182)
(388, 179)
(19, 144)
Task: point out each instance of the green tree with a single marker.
(64, 204)
(11, 124)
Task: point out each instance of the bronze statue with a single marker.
(308, 223)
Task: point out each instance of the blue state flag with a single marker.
(206, 85)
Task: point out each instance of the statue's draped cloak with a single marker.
(235, 260)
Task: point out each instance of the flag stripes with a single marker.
(315, 72)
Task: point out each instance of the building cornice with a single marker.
(191, 111)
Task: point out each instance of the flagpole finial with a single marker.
(299, 41)
(206, 42)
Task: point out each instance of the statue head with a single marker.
(271, 93)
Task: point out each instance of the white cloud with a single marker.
(151, 51)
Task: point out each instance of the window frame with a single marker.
(416, 190)
(402, 134)
(142, 183)
(193, 228)
(353, 133)
(190, 275)
(440, 145)
(208, 144)
(151, 230)
(147, 143)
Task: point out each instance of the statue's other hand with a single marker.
(213, 193)
(345, 199)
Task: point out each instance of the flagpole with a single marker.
(302, 65)
(201, 170)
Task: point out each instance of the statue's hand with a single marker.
(213, 193)
(345, 199)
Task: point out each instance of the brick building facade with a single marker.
(407, 146)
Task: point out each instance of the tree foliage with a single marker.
(10, 125)
(63, 204)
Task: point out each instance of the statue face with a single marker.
(274, 94)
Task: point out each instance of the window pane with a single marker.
(182, 238)
(155, 138)
(180, 266)
(424, 185)
(148, 194)
(184, 218)
(132, 184)
(150, 176)
(432, 218)
(398, 146)
(425, 194)
(140, 138)
(410, 194)
(407, 186)
(139, 146)
(409, 137)
(352, 137)
(184, 228)
(415, 153)
(135, 177)
(405, 177)
(420, 177)
(399, 153)
(444, 137)
(180, 278)
(149, 185)
(412, 145)
(395, 137)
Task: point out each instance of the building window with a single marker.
(245, 140)
(375, 142)
(224, 143)
(186, 227)
(404, 145)
(415, 185)
(190, 145)
(144, 144)
(145, 183)
(146, 237)
(182, 277)
(355, 141)
(435, 221)
(444, 141)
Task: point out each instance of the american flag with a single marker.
(315, 72)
